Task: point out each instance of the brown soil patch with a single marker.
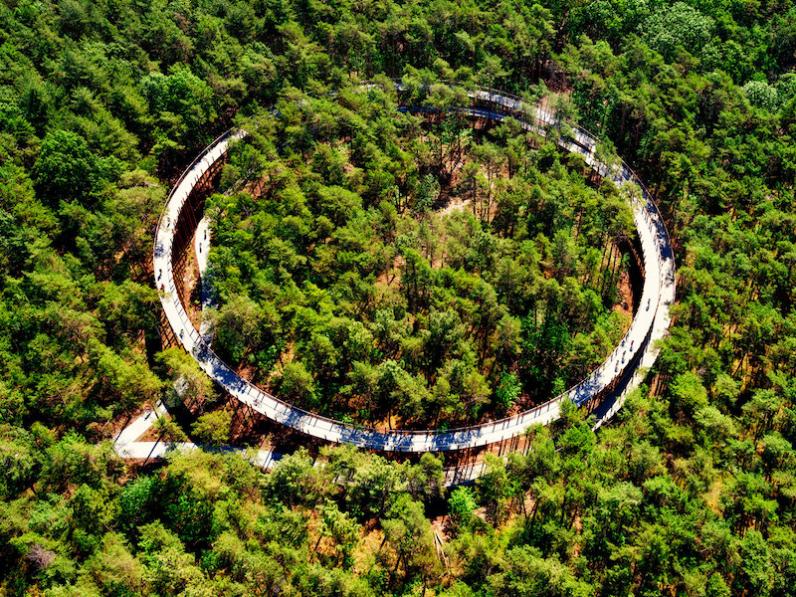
(190, 282)
(625, 304)
(391, 277)
(151, 434)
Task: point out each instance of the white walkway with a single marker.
(128, 446)
(649, 323)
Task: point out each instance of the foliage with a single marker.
(368, 304)
(691, 491)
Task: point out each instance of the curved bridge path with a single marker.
(622, 371)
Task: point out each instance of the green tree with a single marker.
(677, 27)
(67, 170)
(213, 428)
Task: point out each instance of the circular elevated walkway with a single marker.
(619, 373)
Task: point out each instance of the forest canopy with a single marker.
(372, 265)
(690, 491)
